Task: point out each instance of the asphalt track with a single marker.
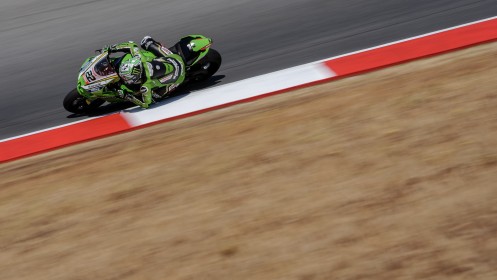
(43, 42)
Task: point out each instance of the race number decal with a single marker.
(90, 77)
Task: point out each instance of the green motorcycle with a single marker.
(98, 80)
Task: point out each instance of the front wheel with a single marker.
(77, 104)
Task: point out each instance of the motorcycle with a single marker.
(98, 80)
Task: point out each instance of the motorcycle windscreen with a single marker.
(101, 70)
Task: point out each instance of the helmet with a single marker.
(131, 70)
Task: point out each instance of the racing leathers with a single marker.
(160, 72)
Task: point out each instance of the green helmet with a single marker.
(131, 70)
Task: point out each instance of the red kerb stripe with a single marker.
(61, 136)
(416, 48)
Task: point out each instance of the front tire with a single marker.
(77, 104)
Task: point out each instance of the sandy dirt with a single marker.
(389, 175)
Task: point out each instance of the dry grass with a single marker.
(390, 175)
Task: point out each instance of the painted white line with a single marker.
(51, 128)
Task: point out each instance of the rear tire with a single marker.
(206, 67)
(77, 104)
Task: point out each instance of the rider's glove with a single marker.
(146, 41)
(109, 48)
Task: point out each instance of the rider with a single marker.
(147, 75)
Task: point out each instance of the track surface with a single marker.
(44, 42)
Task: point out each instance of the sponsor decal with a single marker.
(150, 68)
(176, 66)
(164, 79)
(172, 87)
(93, 88)
(206, 47)
(101, 81)
(124, 68)
(166, 50)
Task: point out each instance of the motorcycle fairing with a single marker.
(95, 74)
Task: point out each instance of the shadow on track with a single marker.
(179, 93)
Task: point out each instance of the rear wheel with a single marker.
(206, 67)
(75, 103)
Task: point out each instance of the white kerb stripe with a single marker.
(232, 92)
